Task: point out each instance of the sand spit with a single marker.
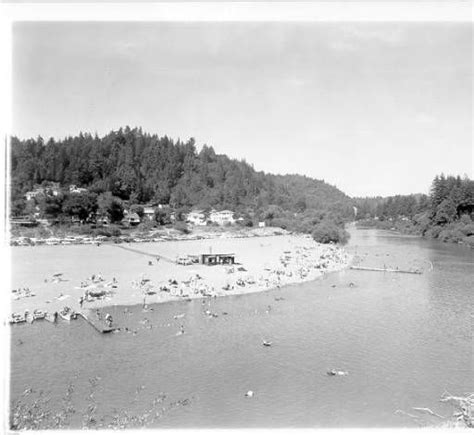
(109, 274)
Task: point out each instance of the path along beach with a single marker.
(131, 274)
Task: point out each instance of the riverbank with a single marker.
(459, 232)
(53, 236)
(131, 273)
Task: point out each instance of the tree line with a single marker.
(127, 167)
(446, 213)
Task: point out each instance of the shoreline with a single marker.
(251, 290)
(136, 236)
(125, 277)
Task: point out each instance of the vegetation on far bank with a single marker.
(445, 214)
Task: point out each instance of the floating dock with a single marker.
(377, 269)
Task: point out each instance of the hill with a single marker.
(138, 167)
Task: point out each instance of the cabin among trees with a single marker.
(224, 217)
(196, 217)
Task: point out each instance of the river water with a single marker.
(403, 339)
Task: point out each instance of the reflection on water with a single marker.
(404, 339)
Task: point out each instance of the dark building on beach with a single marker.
(214, 259)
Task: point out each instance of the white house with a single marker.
(74, 189)
(34, 193)
(196, 217)
(149, 212)
(222, 217)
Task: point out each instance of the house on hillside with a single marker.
(74, 189)
(131, 219)
(222, 217)
(39, 191)
(149, 212)
(53, 188)
(196, 217)
(103, 219)
(49, 188)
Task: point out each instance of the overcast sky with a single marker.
(375, 109)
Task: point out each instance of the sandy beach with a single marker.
(134, 273)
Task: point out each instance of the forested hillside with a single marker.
(391, 206)
(137, 167)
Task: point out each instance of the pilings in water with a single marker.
(378, 269)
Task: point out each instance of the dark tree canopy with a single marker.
(140, 168)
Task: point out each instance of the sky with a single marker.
(373, 108)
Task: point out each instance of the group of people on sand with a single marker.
(24, 292)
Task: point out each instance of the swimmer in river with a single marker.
(108, 319)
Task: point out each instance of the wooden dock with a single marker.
(378, 269)
(97, 325)
(148, 254)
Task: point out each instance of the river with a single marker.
(403, 339)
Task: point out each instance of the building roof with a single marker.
(222, 211)
(218, 255)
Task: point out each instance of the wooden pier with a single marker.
(378, 269)
(97, 325)
(148, 254)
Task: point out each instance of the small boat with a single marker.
(39, 315)
(17, 318)
(67, 314)
(267, 343)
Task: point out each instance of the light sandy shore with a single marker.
(269, 262)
